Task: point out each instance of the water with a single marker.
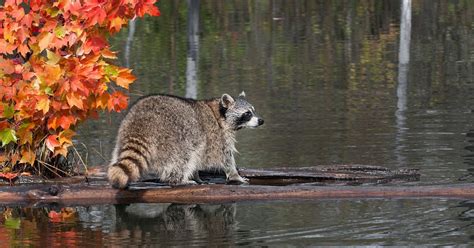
(325, 222)
(385, 83)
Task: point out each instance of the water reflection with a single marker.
(469, 158)
(128, 44)
(193, 49)
(174, 224)
(402, 88)
(306, 223)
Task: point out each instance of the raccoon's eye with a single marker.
(248, 113)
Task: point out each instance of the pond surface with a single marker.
(386, 83)
(315, 223)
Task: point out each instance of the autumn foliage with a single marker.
(56, 71)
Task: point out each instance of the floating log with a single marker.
(218, 193)
(264, 184)
(330, 174)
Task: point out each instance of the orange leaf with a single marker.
(7, 66)
(6, 47)
(43, 105)
(52, 142)
(117, 101)
(125, 78)
(44, 39)
(102, 101)
(51, 74)
(9, 176)
(23, 49)
(25, 136)
(66, 121)
(52, 122)
(28, 156)
(106, 53)
(74, 100)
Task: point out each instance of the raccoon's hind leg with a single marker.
(178, 178)
(198, 179)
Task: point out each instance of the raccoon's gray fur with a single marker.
(175, 137)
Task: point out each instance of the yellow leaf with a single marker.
(51, 74)
(44, 39)
(53, 58)
(60, 31)
(61, 150)
(117, 23)
(28, 156)
(65, 137)
(43, 104)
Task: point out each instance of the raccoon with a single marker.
(176, 137)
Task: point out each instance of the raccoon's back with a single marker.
(163, 108)
(162, 118)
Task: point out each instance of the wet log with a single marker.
(330, 174)
(264, 184)
(218, 193)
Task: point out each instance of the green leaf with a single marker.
(60, 31)
(7, 135)
(13, 223)
(53, 12)
(111, 71)
(48, 91)
(8, 111)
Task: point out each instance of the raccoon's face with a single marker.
(239, 113)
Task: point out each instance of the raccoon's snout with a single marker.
(254, 122)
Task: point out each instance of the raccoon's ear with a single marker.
(242, 94)
(227, 100)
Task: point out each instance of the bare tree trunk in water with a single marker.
(193, 49)
(173, 64)
(402, 88)
(128, 43)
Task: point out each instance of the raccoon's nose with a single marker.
(260, 122)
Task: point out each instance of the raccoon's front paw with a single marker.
(237, 180)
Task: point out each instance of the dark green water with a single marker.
(336, 82)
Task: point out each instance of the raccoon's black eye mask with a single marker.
(244, 118)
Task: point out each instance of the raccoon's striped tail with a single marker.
(117, 177)
(121, 173)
